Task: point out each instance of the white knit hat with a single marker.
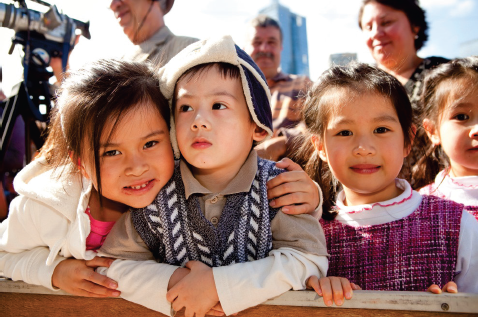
(217, 50)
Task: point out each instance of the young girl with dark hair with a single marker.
(450, 103)
(381, 234)
(108, 148)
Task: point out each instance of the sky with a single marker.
(331, 26)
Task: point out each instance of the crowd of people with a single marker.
(158, 171)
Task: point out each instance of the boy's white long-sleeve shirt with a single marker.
(239, 286)
(46, 224)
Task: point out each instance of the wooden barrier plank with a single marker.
(39, 305)
(21, 299)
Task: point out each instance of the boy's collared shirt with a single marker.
(212, 204)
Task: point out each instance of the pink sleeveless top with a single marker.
(98, 233)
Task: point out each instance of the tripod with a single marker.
(30, 95)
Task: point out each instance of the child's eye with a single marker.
(150, 144)
(218, 106)
(185, 108)
(380, 130)
(345, 133)
(112, 153)
(461, 117)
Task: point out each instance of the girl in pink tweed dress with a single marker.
(381, 234)
(450, 103)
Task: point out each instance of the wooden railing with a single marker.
(21, 299)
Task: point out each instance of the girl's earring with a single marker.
(416, 37)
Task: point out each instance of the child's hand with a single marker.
(294, 191)
(332, 286)
(178, 275)
(449, 287)
(78, 277)
(196, 291)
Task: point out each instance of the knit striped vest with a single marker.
(176, 231)
(408, 254)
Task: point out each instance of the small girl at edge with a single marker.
(381, 234)
(450, 101)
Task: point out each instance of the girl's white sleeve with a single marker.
(142, 282)
(467, 262)
(26, 238)
(29, 266)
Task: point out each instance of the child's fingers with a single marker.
(355, 287)
(347, 288)
(435, 289)
(450, 287)
(177, 305)
(90, 275)
(326, 288)
(99, 262)
(337, 291)
(214, 313)
(296, 209)
(313, 283)
(98, 290)
(216, 310)
(288, 164)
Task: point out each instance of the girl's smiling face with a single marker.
(363, 145)
(457, 130)
(136, 160)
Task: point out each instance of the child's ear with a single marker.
(259, 134)
(77, 161)
(432, 132)
(319, 147)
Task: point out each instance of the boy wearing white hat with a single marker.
(214, 216)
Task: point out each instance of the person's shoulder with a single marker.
(268, 167)
(185, 39)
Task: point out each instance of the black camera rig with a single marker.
(42, 36)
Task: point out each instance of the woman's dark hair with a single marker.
(357, 78)
(438, 84)
(91, 98)
(414, 13)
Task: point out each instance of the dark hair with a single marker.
(361, 79)
(103, 91)
(414, 13)
(436, 88)
(263, 21)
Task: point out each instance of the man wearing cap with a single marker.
(264, 45)
(143, 22)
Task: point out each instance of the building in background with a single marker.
(469, 48)
(295, 53)
(342, 59)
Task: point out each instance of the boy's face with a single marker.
(137, 160)
(214, 129)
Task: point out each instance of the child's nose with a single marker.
(136, 166)
(474, 131)
(200, 123)
(364, 147)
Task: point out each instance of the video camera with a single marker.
(43, 36)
